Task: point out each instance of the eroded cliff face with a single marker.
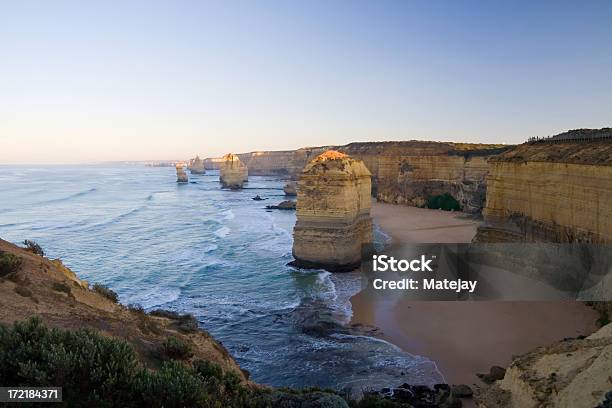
(570, 374)
(550, 192)
(413, 172)
(402, 172)
(233, 173)
(333, 213)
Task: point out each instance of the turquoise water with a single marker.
(218, 254)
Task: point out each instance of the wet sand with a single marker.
(463, 338)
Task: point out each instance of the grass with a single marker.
(9, 263)
(106, 292)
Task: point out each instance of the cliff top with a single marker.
(588, 152)
(332, 155)
(231, 157)
(336, 162)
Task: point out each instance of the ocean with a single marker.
(218, 254)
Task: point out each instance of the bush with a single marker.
(33, 247)
(176, 348)
(136, 308)
(106, 292)
(444, 202)
(100, 371)
(9, 263)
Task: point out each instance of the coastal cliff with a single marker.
(333, 213)
(410, 172)
(550, 191)
(571, 373)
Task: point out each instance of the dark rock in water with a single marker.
(290, 189)
(462, 391)
(257, 198)
(285, 205)
(495, 373)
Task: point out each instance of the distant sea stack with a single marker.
(233, 172)
(197, 166)
(333, 213)
(181, 176)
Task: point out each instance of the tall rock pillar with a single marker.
(233, 172)
(181, 176)
(333, 213)
(197, 166)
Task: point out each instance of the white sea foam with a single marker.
(223, 232)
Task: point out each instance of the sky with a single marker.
(89, 81)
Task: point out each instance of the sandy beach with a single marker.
(463, 338)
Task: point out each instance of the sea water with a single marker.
(218, 254)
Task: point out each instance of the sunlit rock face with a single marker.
(333, 213)
(197, 166)
(233, 173)
(181, 175)
(556, 191)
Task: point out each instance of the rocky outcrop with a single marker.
(569, 374)
(283, 205)
(233, 173)
(197, 166)
(46, 288)
(550, 191)
(181, 175)
(290, 189)
(411, 172)
(333, 213)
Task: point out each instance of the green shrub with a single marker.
(106, 292)
(9, 263)
(100, 371)
(444, 202)
(208, 369)
(176, 348)
(33, 247)
(136, 308)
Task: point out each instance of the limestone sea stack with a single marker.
(181, 175)
(197, 166)
(333, 213)
(233, 172)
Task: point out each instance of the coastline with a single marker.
(463, 338)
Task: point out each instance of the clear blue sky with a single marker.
(86, 81)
